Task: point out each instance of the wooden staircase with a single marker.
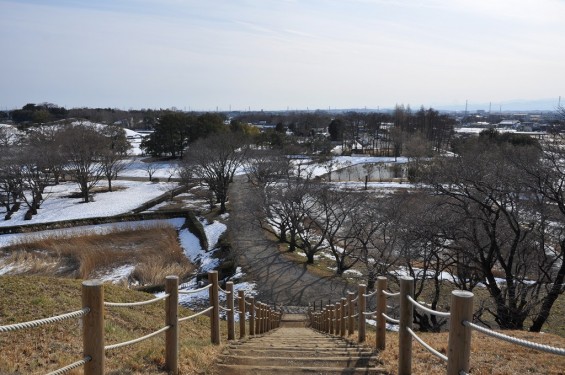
(295, 349)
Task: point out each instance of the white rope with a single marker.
(355, 299)
(355, 316)
(197, 314)
(370, 294)
(425, 345)
(39, 322)
(388, 318)
(224, 291)
(429, 311)
(389, 294)
(369, 313)
(515, 340)
(135, 341)
(224, 308)
(248, 303)
(70, 367)
(195, 290)
(131, 304)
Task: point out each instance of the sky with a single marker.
(280, 54)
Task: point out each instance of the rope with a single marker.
(248, 303)
(370, 294)
(39, 322)
(135, 341)
(355, 316)
(515, 340)
(195, 290)
(388, 318)
(389, 294)
(131, 304)
(355, 299)
(70, 367)
(224, 291)
(369, 313)
(195, 315)
(224, 308)
(425, 345)
(429, 311)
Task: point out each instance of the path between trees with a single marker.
(279, 280)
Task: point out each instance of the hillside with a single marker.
(46, 348)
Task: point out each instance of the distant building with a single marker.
(512, 124)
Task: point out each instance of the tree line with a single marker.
(40, 157)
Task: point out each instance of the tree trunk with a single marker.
(549, 300)
(309, 257)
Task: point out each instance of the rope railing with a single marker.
(193, 291)
(72, 366)
(137, 340)
(195, 315)
(426, 345)
(331, 320)
(40, 322)
(515, 340)
(428, 310)
(260, 316)
(134, 304)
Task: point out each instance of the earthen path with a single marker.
(279, 280)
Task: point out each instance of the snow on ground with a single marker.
(57, 206)
(136, 167)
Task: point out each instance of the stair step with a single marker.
(300, 353)
(334, 361)
(290, 370)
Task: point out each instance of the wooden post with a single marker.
(259, 318)
(93, 326)
(406, 317)
(337, 315)
(351, 319)
(215, 303)
(361, 303)
(459, 347)
(342, 317)
(171, 320)
(381, 309)
(241, 303)
(230, 312)
(332, 322)
(252, 316)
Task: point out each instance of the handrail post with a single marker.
(230, 312)
(459, 347)
(266, 320)
(171, 320)
(381, 309)
(241, 303)
(252, 316)
(93, 326)
(215, 303)
(361, 303)
(337, 315)
(342, 317)
(332, 317)
(258, 318)
(406, 318)
(351, 309)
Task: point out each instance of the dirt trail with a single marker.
(278, 279)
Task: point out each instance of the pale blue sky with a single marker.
(278, 54)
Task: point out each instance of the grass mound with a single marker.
(49, 347)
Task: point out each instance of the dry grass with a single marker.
(488, 355)
(44, 349)
(154, 251)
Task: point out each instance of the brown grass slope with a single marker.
(46, 348)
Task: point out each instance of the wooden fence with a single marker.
(260, 316)
(341, 318)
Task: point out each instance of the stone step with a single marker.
(290, 353)
(333, 361)
(289, 370)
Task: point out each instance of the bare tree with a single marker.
(214, 161)
(84, 147)
(113, 158)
